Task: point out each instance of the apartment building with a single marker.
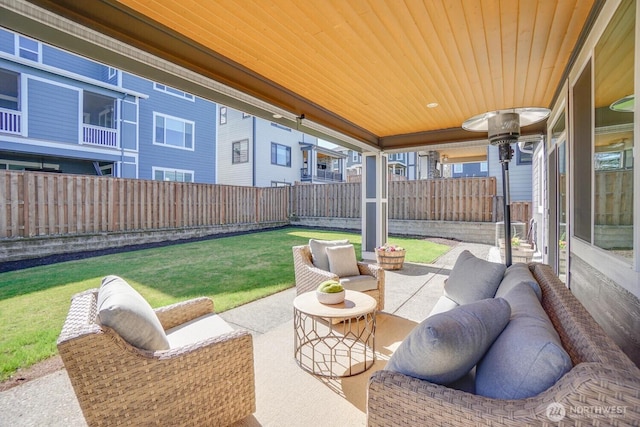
(60, 112)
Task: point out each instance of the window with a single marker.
(457, 168)
(111, 73)
(355, 157)
(582, 154)
(171, 91)
(28, 49)
(162, 174)
(223, 115)
(280, 155)
(611, 197)
(240, 150)
(9, 84)
(173, 131)
(98, 110)
(523, 158)
(483, 167)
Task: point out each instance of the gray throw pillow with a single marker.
(319, 253)
(518, 273)
(445, 346)
(124, 310)
(527, 358)
(473, 279)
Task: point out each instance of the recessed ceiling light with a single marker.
(432, 105)
(277, 116)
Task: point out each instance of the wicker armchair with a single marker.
(308, 277)
(210, 382)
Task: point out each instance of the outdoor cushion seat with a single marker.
(360, 283)
(309, 276)
(204, 377)
(198, 329)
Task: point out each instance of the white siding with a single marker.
(235, 129)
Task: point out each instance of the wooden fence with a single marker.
(37, 204)
(614, 197)
(454, 199)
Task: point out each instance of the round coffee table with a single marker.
(335, 340)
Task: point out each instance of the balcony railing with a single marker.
(98, 135)
(321, 174)
(10, 121)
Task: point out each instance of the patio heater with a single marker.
(503, 129)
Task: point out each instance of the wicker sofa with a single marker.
(209, 382)
(603, 387)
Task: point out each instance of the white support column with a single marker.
(374, 203)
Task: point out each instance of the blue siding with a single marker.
(129, 112)
(53, 112)
(128, 170)
(73, 63)
(202, 159)
(470, 170)
(7, 41)
(128, 135)
(520, 176)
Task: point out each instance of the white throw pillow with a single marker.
(445, 346)
(319, 253)
(124, 310)
(342, 260)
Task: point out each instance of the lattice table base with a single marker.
(333, 349)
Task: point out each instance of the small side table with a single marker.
(335, 340)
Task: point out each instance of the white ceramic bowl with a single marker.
(330, 298)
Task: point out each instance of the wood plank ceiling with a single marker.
(367, 68)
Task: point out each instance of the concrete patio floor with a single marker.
(410, 293)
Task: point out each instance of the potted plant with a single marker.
(390, 257)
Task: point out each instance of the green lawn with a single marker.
(231, 270)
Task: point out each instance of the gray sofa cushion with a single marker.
(319, 254)
(444, 347)
(473, 279)
(518, 273)
(527, 358)
(124, 310)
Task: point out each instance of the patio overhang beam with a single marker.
(423, 140)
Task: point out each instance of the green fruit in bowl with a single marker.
(330, 287)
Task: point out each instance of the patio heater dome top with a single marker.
(527, 115)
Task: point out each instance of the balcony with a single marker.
(98, 135)
(321, 175)
(10, 121)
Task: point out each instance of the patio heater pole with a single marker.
(504, 128)
(505, 156)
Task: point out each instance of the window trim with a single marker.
(155, 169)
(19, 48)
(275, 145)
(222, 119)
(178, 93)
(233, 154)
(184, 121)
